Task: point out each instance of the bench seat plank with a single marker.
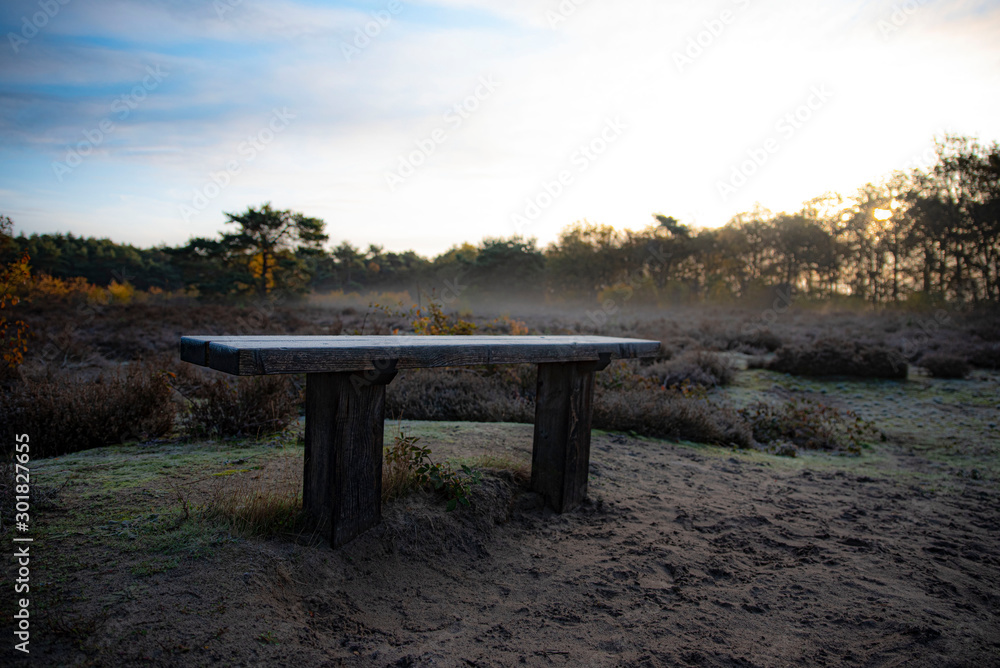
(259, 355)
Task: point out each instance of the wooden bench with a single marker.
(345, 405)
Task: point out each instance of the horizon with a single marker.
(144, 124)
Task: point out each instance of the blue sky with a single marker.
(453, 120)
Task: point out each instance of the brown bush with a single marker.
(754, 340)
(698, 368)
(623, 401)
(669, 414)
(803, 423)
(839, 357)
(460, 394)
(248, 407)
(985, 324)
(945, 365)
(63, 414)
(986, 356)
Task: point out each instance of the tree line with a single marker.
(927, 234)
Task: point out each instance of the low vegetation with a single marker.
(407, 467)
(807, 424)
(106, 376)
(505, 394)
(694, 368)
(65, 413)
(945, 365)
(259, 499)
(264, 497)
(985, 356)
(242, 407)
(670, 414)
(840, 357)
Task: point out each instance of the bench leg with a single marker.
(560, 458)
(342, 486)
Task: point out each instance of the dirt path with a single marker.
(682, 556)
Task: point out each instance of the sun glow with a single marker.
(882, 214)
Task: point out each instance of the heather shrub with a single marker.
(64, 414)
(755, 341)
(839, 357)
(945, 365)
(622, 374)
(986, 356)
(669, 414)
(696, 368)
(248, 407)
(985, 324)
(462, 394)
(807, 424)
(623, 401)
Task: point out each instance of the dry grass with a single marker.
(263, 500)
(101, 336)
(521, 470)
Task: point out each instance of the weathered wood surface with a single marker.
(560, 458)
(257, 355)
(342, 485)
(345, 406)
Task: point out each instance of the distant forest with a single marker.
(920, 236)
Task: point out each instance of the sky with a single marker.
(420, 124)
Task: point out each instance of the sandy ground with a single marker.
(682, 555)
